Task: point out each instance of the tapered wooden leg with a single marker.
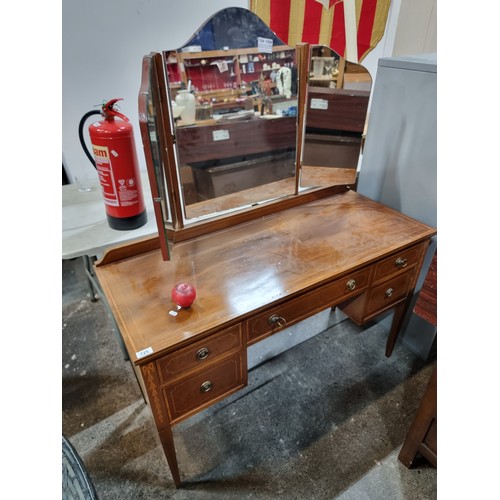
(159, 410)
(397, 321)
(167, 440)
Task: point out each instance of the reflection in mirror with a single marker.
(233, 98)
(337, 104)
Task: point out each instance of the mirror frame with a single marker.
(147, 102)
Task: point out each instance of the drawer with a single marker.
(397, 263)
(205, 387)
(388, 293)
(295, 310)
(200, 353)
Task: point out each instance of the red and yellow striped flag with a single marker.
(322, 22)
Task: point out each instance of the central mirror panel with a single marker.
(233, 98)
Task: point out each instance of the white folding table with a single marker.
(86, 233)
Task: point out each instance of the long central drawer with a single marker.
(295, 310)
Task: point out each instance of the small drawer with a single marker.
(388, 293)
(203, 388)
(397, 264)
(276, 318)
(199, 353)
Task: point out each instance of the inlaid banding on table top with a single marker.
(242, 270)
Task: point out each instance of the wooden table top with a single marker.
(243, 269)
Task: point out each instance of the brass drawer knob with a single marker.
(351, 285)
(202, 353)
(400, 263)
(276, 320)
(389, 292)
(206, 386)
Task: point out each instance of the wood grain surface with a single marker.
(241, 270)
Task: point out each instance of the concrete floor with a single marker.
(324, 420)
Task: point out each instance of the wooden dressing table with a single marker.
(261, 259)
(253, 280)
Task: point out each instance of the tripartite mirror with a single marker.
(236, 124)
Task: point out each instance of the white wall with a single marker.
(385, 47)
(417, 28)
(103, 43)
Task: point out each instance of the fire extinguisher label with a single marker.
(103, 164)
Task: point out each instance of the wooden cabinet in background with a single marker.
(422, 435)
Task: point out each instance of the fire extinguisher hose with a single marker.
(80, 134)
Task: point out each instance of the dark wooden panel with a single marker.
(346, 110)
(197, 144)
(222, 180)
(331, 150)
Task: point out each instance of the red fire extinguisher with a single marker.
(115, 159)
